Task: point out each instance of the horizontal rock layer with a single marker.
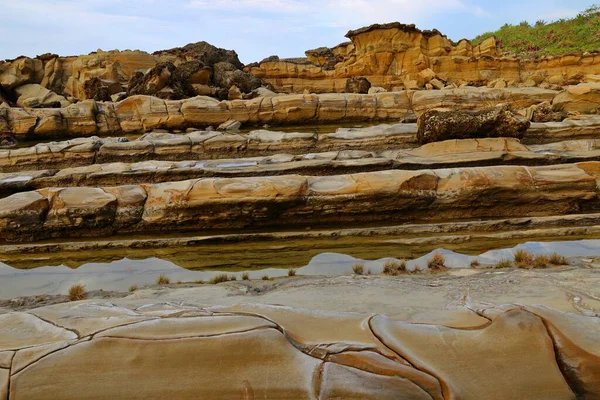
(294, 200)
(281, 352)
(451, 153)
(144, 113)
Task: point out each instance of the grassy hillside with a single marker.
(574, 35)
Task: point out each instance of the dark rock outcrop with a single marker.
(226, 75)
(434, 126)
(358, 85)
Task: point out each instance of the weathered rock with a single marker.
(357, 85)
(583, 98)
(36, 96)
(543, 113)
(436, 126)
(226, 75)
(99, 90)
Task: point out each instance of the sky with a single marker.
(254, 28)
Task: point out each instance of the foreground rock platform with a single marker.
(131, 348)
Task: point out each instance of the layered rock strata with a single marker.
(145, 113)
(295, 200)
(401, 56)
(447, 154)
(208, 145)
(281, 352)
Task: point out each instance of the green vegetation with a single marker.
(133, 288)
(565, 36)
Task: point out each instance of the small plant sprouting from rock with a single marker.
(523, 258)
(358, 269)
(540, 262)
(133, 288)
(437, 263)
(557, 259)
(394, 267)
(291, 272)
(218, 279)
(265, 278)
(245, 276)
(163, 280)
(504, 263)
(77, 292)
(475, 263)
(233, 278)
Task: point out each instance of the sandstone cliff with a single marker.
(402, 56)
(201, 67)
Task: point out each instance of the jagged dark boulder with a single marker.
(434, 126)
(226, 75)
(357, 85)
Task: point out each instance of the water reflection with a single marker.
(122, 273)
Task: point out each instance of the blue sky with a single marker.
(254, 28)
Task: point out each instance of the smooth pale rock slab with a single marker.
(257, 363)
(319, 332)
(377, 364)
(23, 330)
(341, 382)
(6, 358)
(513, 358)
(28, 356)
(87, 318)
(4, 380)
(177, 328)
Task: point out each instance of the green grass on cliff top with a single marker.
(565, 36)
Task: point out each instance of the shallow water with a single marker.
(124, 272)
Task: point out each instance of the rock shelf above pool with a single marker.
(215, 204)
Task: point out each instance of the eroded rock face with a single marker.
(398, 55)
(373, 357)
(434, 126)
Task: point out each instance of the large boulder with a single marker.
(204, 52)
(100, 90)
(159, 81)
(36, 96)
(583, 98)
(434, 126)
(226, 75)
(357, 85)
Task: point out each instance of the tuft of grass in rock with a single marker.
(504, 263)
(557, 259)
(394, 267)
(540, 262)
(77, 292)
(245, 276)
(163, 280)
(200, 282)
(291, 272)
(437, 263)
(133, 288)
(523, 258)
(475, 263)
(265, 278)
(219, 279)
(358, 269)
(233, 278)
